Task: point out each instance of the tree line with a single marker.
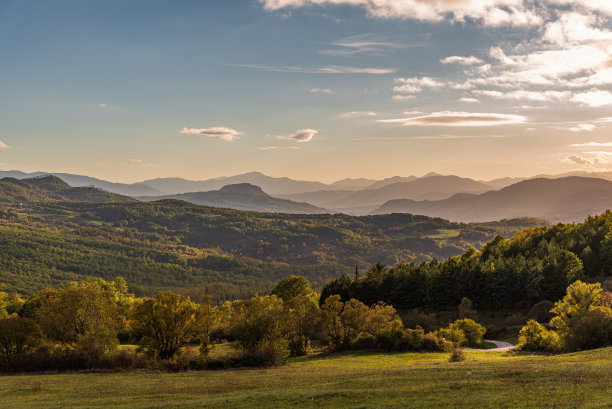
(535, 265)
(82, 325)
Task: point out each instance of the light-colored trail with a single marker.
(500, 346)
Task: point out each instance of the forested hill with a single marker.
(227, 253)
(535, 265)
(52, 188)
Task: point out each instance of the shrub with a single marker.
(472, 331)
(454, 335)
(535, 337)
(457, 355)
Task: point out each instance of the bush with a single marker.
(457, 355)
(472, 330)
(535, 337)
(454, 335)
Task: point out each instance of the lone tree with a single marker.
(293, 286)
(165, 323)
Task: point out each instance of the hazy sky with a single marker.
(311, 89)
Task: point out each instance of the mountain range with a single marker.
(447, 196)
(567, 199)
(51, 188)
(242, 196)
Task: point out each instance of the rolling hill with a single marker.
(52, 188)
(243, 196)
(568, 199)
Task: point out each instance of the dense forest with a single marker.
(533, 266)
(199, 250)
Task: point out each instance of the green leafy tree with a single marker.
(258, 322)
(17, 336)
(83, 316)
(471, 329)
(535, 337)
(165, 323)
(581, 318)
(303, 318)
(293, 286)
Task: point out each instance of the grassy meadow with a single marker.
(350, 380)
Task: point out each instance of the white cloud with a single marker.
(471, 60)
(361, 44)
(135, 160)
(582, 128)
(415, 84)
(469, 100)
(489, 12)
(448, 118)
(103, 105)
(304, 135)
(590, 158)
(525, 95)
(329, 69)
(217, 132)
(402, 97)
(594, 98)
(592, 145)
(4, 146)
(321, 91)
(357, 113)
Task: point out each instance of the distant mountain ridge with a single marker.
(52, 188)
(566, 199)
(242, 196)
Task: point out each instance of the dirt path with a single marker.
(500, 346)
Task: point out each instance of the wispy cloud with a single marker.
(448, 118)
(271, 148)
(217, 132)
(582, 128)
(362, 44)
(416, 84)
(304, 135)
(103, 105)
(357, 113)
(592, 145)
(320, 91)
(329, 69)
(469, 100)
(455, 59)
(4, 146)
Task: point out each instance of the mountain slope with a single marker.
(243, 196)
(271, 185)
(134, 189)
(425, 188)
(52, 188)
(565, 199)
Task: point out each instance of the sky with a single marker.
(128, 90)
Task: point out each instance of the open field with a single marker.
(352, 380)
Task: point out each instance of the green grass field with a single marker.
(352, 380)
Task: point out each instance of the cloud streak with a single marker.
(328, 69)
(216, 132)
(460, 119)
(304, 135)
